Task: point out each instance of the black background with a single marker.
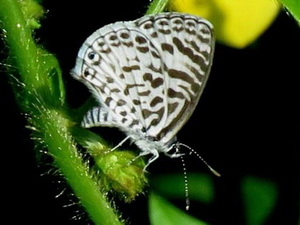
(247, 121)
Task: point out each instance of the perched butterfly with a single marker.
(147, 76)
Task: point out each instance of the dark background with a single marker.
(247, 121)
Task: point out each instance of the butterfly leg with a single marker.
(120, 144)
(175, 154)
(154, 156)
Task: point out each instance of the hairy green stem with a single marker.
(157, 6)
(67, 159)
(42, 97)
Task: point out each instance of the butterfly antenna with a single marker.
(197, 154)
(186, 186)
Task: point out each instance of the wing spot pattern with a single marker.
(140, 40)
(154, 82)
(129, 69)
(156, 101)
(167, 47)
(175, 94)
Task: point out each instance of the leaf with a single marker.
(162, 212)
(293, 7)
(259, 197)
(200, 186)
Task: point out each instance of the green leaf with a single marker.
(200, 186)
(162, 212)
(259, 197)
(293, 6)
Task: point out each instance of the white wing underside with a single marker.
(148, 74)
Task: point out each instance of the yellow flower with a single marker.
(237, 22)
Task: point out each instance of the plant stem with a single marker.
(42, 97)
(19, 39)
(157, 6)
(64, 152)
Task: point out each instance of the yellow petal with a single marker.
(237, 22)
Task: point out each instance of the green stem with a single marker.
(157, 6)
(19, 39)
(67, 159)
(42, 98)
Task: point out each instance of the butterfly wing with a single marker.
(148, 74)
(186, 45)
(114, 63)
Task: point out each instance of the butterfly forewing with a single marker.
(148, 74)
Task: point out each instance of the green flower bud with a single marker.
(122, 172)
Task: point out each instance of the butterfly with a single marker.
(147, 76)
